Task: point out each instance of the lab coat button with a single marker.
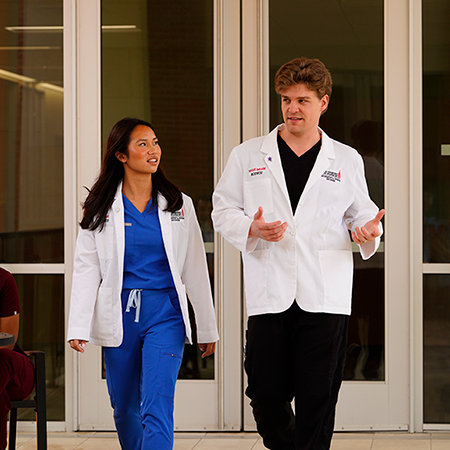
(292, 232)
(117, 209)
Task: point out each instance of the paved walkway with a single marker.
(242, 441)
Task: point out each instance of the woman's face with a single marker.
(144, 152)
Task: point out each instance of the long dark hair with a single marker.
(101, 196)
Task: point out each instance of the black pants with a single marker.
(295, 354)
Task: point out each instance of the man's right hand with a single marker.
(272, 232)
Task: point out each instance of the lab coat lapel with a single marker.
(326, 154)
(118, 216)
(166, 228)
(273, 161)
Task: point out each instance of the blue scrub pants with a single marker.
(142, 372)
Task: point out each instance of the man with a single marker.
(16, 370)
(287, 201)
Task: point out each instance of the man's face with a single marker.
(302, 109)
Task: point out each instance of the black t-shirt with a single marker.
(296, 168)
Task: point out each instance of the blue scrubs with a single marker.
(142, 372)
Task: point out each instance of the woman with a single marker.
(138, 251)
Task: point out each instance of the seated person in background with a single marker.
(16, 370)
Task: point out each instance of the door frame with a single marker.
(396, 403)
(237, 95)
(82, 127)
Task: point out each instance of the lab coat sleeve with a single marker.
(85, 283)
(228, 214)
(196, 279)
(362, 210)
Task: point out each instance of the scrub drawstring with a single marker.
(134, 301)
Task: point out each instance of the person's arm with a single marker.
(271, 232)
(229, 218)
(85, 282)
(228, 214)
(196, 280)
(10, 325)
(363, 216)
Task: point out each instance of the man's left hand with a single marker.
(369, 231)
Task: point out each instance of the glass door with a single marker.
(159, 61)
(157, 64)
(349, 37)
(436, 214)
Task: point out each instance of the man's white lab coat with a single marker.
(313, 262)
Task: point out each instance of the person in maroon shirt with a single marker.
(16, 370)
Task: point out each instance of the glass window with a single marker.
(348, 38)
(436, 131)
(436, 212)
(157, 64)
(436, 348)
(31, 131)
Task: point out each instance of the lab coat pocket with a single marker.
(337, 274)
(255, 276)
(102, 320)
(258, 193)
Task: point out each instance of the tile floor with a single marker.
(243, 441)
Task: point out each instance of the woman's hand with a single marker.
(207, 349)
(78, 345)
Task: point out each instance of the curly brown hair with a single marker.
(311, 72)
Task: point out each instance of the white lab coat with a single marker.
(313, 262)
(95, 307)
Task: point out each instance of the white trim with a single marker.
(436, 427)
(397, 202)
(37, 269)
(28, 426)
(265, 83)
(415, 205)
(435, 268)
(228, 106)
(218, 168)
(70, 195)
(374, 427)
(87, 116)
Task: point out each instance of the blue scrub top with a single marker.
(145, 264)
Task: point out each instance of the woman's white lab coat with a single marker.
(313, 262)
(95, 307)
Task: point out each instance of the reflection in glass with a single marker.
(436, 211)
(31, 127)
(42, 328)
(352, 49)
(436, 348)
(436, 131)
(161, 70)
